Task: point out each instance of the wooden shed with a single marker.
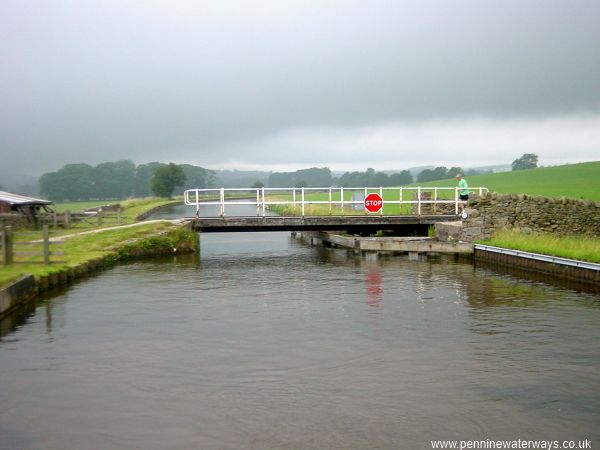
(20, 204)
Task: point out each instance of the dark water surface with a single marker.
(269, 343)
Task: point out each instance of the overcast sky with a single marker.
(283, 84)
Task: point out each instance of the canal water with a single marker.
(265, 342)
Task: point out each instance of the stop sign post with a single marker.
(373, 203)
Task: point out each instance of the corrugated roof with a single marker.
(16, 199)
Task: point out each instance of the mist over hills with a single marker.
(27, 184)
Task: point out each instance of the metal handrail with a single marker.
(258, 197)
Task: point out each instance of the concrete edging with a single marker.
(562, 267)
(17, 294)
(143, 216)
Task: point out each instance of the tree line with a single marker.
(122, 179)
(322, 177)
(372, 178)
(439, 173)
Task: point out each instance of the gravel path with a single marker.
(99, 230)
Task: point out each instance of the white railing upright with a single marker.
(335, 197)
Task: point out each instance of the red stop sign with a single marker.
(373, 203)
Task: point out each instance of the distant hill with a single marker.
(570, 180)
(494, 169)
(415, 171)
(240, 178)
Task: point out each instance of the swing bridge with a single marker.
(407, 210)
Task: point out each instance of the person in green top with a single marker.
(463, 191)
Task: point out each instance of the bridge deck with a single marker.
(316, 223)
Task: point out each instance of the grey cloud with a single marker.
(101, 80)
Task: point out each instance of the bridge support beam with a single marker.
(315, 241)
(361, 225)
(413, 246)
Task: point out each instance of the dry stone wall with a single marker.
(492, 212)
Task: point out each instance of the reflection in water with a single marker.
(529, 276)
(268, 343)
(374, 283)
(17, 319)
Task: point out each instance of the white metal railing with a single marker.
(263, 198)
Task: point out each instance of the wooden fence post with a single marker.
(100, 217)
(55, 218)
(46, 245)
(7, 245)
(67, 219)
(3, 244)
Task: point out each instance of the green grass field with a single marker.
(572, 180)
(80, 206)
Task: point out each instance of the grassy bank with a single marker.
(112, 245)
(583, 248)
(106, 242)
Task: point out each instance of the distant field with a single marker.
(130, 209)
(130, 204)
(80, 206)
(572, 180)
